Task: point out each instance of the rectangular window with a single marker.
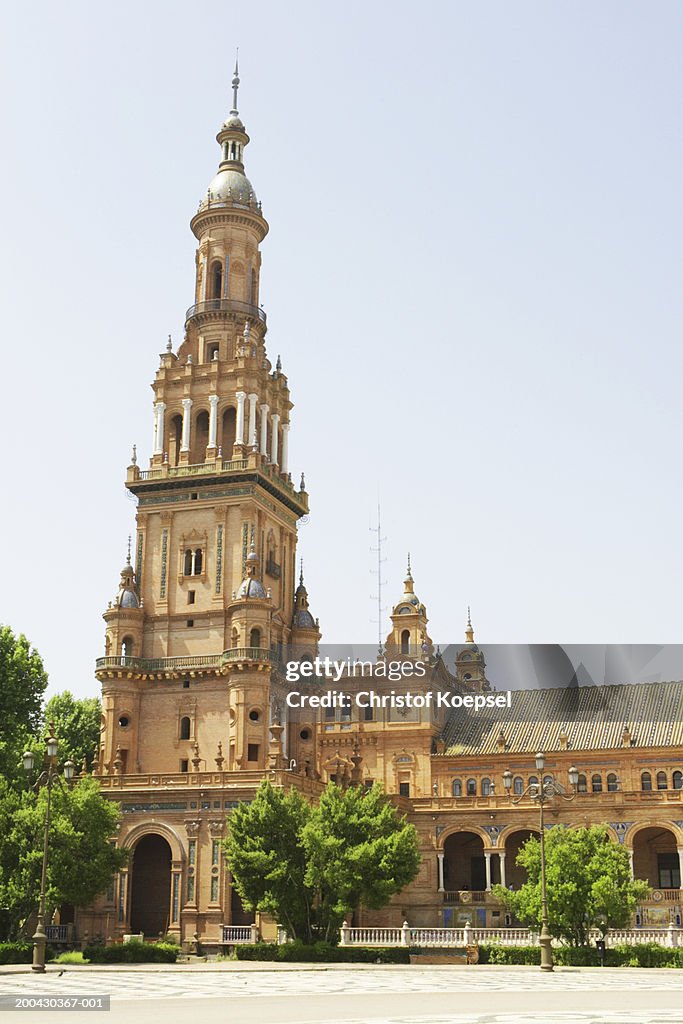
(190, 889)
(184, 764)
(214, 889)
(186, 684)
(190, 596)
(215, 852)
(252, 751)
(404, 789)
(669, 871)
(192, 852)
(190, 623)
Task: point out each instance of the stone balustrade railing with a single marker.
(434, 938)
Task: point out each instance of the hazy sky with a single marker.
(473, 276)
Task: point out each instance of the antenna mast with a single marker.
(377, 550)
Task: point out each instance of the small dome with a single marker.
(303, 619)
(129, 599)
(233, 185)
(234, 122)
(251, 588)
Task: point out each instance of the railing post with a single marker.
(344, 938)
(405, 934)
(466, 934)
(670, 936)
(254, 933)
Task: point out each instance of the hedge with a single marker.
(648, 954)
(132, 953)
(20, 952)
(323, 953)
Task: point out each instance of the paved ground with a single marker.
(339, 994)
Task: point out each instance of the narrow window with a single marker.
(369, 716)
(190, 596)
(184, 764)
(255, 638)
(662, 782)
(457, 787)
(186, 684)
(185, 728)
(216, 280)
(404, 789)
(646, 782)
(533, 780)
(471, 787)
(405, 641)
(583, 784)
(518, 785)
(187, 563)
(612, 783)
(198, 557)
(596, 783)
(252, 751)
(486, 787)
(678, 780)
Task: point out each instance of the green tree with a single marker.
(267, 860)
(77, 726)
(311, 866)
(82, 856)
(589, 884)
(359, 853)
(23, 680)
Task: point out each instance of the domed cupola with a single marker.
(124, 617)
(230, 185)
(127, 596)
(251, 585)
(409, 619)
(305, 629)
(470, 664)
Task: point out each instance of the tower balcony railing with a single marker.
(254, 461)
(249, 654)
(186, 661)
(225, 306)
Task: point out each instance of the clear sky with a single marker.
(473, 277)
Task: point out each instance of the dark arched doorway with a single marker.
(464, 866)
(151, 886)
(515, 874)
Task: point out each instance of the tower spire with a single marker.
(469, 631)
(235, 85)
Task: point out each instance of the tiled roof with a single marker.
(592, 717)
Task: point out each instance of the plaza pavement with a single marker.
(246, 993)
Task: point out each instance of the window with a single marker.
(345, 711)
(124, 721)
(405, 641)
(216, 280)
(193, 560)
(212, 353)
(190, 623)
(533, 780)
(186, 684)
(184, 764)
(486, 787)
(252, 751)
(404, 789)
(368, 714)
(305, 734)
(471, 787)
(668, 869)
(255, 638)
(646, 782)
(457, 787)
(191, 594)
(583, 784)
(678, 780)
(547, 780)
(596, 783)
(612, 783)
(185, 728)
(662, 781)
(518, 785)
(329, 713)
(127, 647)
(254, 715)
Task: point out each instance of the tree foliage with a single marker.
(77, 726)
(312, 866)
(82, 857)
(23, 680)
(589, 884)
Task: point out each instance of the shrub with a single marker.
(323, 952)
(16, 952)
(71, 957)
(644, 955)
(133, 953)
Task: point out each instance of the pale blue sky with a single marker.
(473, 277)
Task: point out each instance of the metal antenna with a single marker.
(380, 582)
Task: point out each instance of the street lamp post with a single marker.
(46, 778)
(543, 792)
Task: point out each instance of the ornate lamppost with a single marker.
(46, 778)
(543, 792)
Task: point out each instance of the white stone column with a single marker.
(187, 407)
(253, 399)
(630, 863)
(275, 442)
(440, 858)
(487, 860)
(213, 420)
(285, 446)
(501, 858)
(680, 865)
(239, 427)
(264, 429)
(159, 410)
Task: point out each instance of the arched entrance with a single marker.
(515, 874)
(151, 886)
(655, 857)
(464, 866)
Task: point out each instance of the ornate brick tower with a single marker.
(204, 611)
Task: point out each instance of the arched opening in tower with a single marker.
(151, 886)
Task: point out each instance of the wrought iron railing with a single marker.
(226, 306)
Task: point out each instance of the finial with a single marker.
(410, 575)
(469, 631)
(128, 555)
(247, 329)
(302, 486)
(278, 365)
(169, 344)
(134, 457)
(235, 84)
(301, 573)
